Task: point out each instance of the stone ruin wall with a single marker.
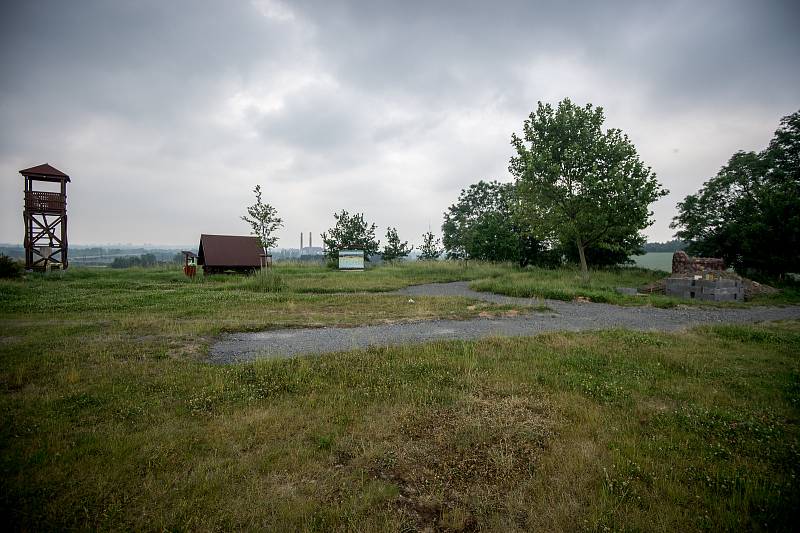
(682, 282)
(684, 264)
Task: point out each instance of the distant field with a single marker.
(655, 261)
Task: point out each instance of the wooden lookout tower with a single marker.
(45, 216)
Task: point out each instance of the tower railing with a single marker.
(45, 202)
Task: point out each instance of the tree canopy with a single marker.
(144, 260)
(480, 225)
(351, 232)
(580, 184)
(394, 249)
(749, 213)
(9, 268)
(263, 220)
(431, 247)
(670, 246)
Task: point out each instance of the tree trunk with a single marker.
(582, 254)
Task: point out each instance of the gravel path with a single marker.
(566, 316)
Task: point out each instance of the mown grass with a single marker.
(568, 284)
(300, 278)
(112, 419)
(165, 301)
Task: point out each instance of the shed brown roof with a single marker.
(44, 171)
(229, 251)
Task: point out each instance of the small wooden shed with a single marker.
(221, 253)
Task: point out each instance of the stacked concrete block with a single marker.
(627, 291)
(680, 287)
(713, 290)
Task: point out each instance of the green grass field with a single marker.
(112, 419)
(661, 261)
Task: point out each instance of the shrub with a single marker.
(9, 268)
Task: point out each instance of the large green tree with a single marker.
(749, 213)
(579, 183)
(351, 232)
(480, 225)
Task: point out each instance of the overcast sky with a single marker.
(167, 113)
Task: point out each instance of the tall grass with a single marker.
(567, 283)
(264, 280)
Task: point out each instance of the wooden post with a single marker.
(64, 246)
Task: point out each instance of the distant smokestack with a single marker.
(309, 239)
(301, 242)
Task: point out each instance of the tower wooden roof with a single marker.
(44, 172)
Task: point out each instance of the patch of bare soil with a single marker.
(754, 288)
(454, 465)
(494, 314)
(192, 349)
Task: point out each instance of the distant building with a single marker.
(311, 251)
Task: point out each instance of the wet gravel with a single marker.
(565, 316)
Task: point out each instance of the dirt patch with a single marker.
(754, 288)
(452, 465)
(196, 349)
(488, 312)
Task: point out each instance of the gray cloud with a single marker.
(167, 113)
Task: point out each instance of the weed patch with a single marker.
(454, 464)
